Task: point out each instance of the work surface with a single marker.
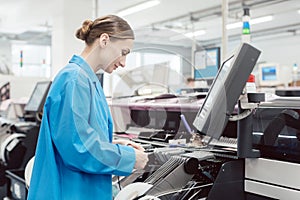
(151, 102)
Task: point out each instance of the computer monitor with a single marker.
(225, 91)
(38, 97)
(5, 92)
(207, 63)
(100, 77)
(269, 74)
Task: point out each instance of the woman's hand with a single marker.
(129, 143)
(141, 159)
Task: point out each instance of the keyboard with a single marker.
(222, 142)
(146, 135)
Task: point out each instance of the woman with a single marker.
(75, 156)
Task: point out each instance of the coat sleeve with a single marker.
(74, 134)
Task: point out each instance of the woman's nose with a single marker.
(122, 61)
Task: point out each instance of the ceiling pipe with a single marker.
(254, 35)
(95, 9)
(216, 10)
(224, 30)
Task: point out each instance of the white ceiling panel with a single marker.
(159, 23)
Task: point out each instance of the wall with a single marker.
(20, 86)
(5, 53)
(69, 17)
(284, 50)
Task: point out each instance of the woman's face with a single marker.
(115, 54)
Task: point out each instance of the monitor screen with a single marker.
(38, 96)
(225, 91)
(207, 63)
(269, 74)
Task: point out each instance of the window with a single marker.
(31, 60)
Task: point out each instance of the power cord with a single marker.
(119, 184)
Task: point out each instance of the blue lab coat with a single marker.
(75, 157)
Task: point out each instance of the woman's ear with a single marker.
(103, 40)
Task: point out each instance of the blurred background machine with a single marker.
(18, 139)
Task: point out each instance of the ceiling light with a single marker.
(188, 35)
(252, 21)
(261, 19)
(138, 7)
(195, 34)
(299, 11)
(234, 25)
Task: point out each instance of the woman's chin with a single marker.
(110, 70)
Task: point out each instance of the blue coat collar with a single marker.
(85, 66)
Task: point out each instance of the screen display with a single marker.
(269, 73)
(38, 96)
(207, 63)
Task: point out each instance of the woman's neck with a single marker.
(91, 56)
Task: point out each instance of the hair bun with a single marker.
(84, 31)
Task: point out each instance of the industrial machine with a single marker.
(218, 170)
(18, 141)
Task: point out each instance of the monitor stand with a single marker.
(244, 137)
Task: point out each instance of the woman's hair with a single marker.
(190, 79)
(114, 26)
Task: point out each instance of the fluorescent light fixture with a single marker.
(261, 19)
(195, 34)
(252, 21)
(188, 35)
(138, 7)
(234, 25)
(299, 11)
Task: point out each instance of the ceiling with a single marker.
(159, 24)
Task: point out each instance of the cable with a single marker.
(38, 116)
(208, 175)
(210, 139)
(240, 116)
(194, 195)
(186, 125)
(181, 190)
(118, 177)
